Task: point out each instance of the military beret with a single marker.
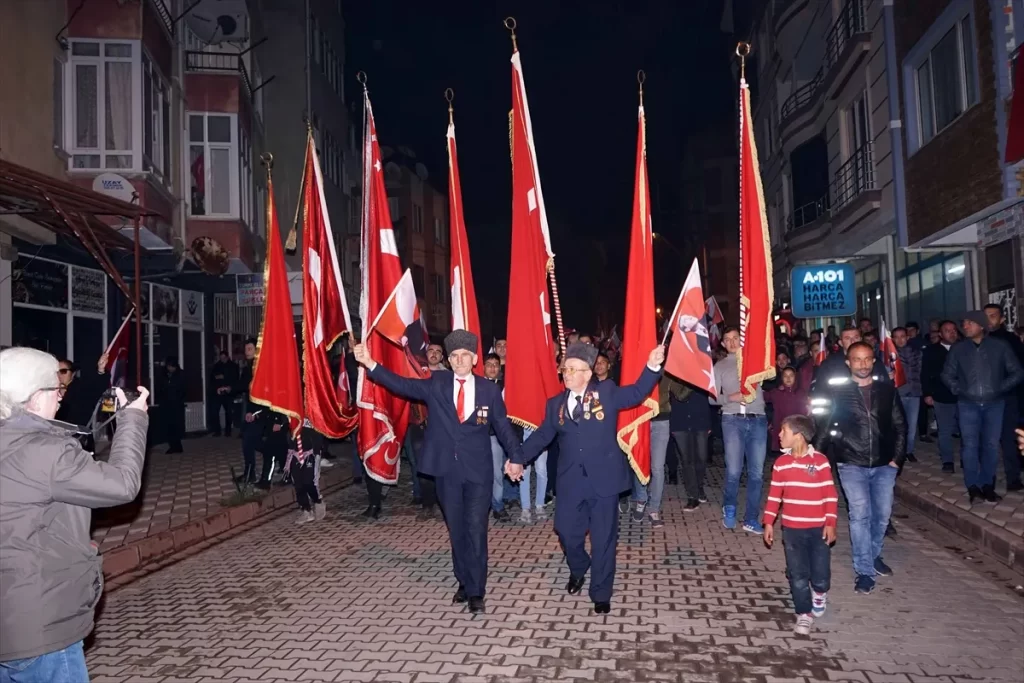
(460, 339)
(584, 352)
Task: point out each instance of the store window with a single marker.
(931, 288)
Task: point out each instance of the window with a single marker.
(438, 232)
(439, 288)
(58, 104)
(245, 178)
(418, 280)
(858, 130)
(212, 147)
(156, 121)
(103, 103)
(417, 219)
(394, 208)
(945, 80)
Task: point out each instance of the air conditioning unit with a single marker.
(220, 21)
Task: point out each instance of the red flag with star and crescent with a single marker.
(689, 352)
(383, 416)
(325, 315)
(639, 333)
(891, 358)
(531, 375)
(465, 315)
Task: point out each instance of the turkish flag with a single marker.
(383, 416)
(531, 375)
(639, 333)
(117, 353)
(465, 315)
(822, 353)
(399, 312)
(689, 352)
(756, 359)
(891, 358)
(325, 314)
(276, 382)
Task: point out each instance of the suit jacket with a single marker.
(589, 457)
(449, 446)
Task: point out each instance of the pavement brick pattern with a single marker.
(350, 600)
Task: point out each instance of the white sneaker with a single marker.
(326, 464)
(803, 624)
(305, 516)
(540, 513)
(819, 601)
(320, 511)
(525, 517)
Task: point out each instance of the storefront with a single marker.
(931, 286)
(173, 326)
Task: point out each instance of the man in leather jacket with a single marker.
(865, 429)
(980, 370)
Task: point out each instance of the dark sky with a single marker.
(580, 61)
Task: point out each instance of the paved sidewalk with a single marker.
(351, 600)
(998, 528)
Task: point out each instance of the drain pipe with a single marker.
(899, 188)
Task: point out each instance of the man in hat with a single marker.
(593, 470)
(457, 451)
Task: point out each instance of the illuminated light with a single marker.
(818, 411)
(819, 401)
(838, 380)
(956, 269)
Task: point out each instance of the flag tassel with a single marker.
(558, 304)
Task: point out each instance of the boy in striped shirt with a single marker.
(802, 486)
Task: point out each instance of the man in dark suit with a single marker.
(457, 451)
(592, 469)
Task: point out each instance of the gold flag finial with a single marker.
(361, 78)
(449, 95)
(510, 24)
(742, 50)
(641, 77)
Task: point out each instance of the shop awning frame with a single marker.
(67, 209)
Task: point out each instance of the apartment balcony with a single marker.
(854, 193)
(222, 63)
(798, 121)
(790, 23)
(807, 230)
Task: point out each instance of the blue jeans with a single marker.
(946, 420)
(912, 407)
(1011, 457)
(540, 466)
(746, 438)
(869, 492)
(808, 565)
(638, 491)
(660, 436)
(981, 426)
(62, 666)
(498, 485)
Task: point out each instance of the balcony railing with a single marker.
(808, 213)
(219, 62)
(165, 15)
(853, 178)
(850, 22)
(803, 95)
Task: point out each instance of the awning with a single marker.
(964, 233)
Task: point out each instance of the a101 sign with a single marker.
(823, 291)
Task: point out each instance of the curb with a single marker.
(1000, 544)
(137, 555)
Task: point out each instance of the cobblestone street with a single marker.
(348, 600)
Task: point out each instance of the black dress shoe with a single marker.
(911, 457)
(372, 512)
(459, 597)
(975, 495)
(602, 607)
(476, 605)
(575, 585)
(947, 468)
(990, 495)
(501, 516)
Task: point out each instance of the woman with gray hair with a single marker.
(51, 574)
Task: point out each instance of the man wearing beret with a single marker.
(592, 469)
(457, 451)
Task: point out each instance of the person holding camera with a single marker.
(52, 571)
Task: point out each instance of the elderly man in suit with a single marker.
(592, 469)
(457, 451)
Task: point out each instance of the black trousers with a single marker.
(275, 452)
(227, 403)
(306, 479)
(252, 441)
(466, 506)
(374, 490)
(693, 447)
(175, 427)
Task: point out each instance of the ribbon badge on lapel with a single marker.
(587, 399)
(561, 415)
(481, 415)
(597, 407)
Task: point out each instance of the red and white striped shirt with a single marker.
(803, 487)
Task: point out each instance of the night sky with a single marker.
(580, 61)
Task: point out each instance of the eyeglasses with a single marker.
(569, 372)
(63, 371)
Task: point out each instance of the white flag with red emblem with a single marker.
(689, 353)
(891, 358)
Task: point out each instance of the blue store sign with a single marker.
(823, 291)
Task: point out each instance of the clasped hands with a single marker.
(513, 471)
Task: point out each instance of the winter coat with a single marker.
(785, 401)
(981, 372)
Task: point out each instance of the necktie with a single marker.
(577, 412)
(460, 399)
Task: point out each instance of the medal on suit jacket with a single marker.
(561, 414)
(586, 405)
(596, 406)
(481, 415)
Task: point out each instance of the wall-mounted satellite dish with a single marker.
(219, 21)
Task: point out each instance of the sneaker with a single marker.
(525, 517)
(691, 505)
(305, 516)
(540, 513)
(947, 468)
(753, 528)
(819, 601)
(990, 495)
(702, 497)
(656, 521)
(623, 505)
(881, 568)
(803, 625)
(320, 511)
(638, 513)
(501, 515)
(975, 495)
(729, 516)
(864, 585)
(325, 464)
(911, 457)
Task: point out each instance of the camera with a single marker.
(108, 401)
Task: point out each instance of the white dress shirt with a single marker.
(469, 395)
(573, 400)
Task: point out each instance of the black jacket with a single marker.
(981, 372)
(224, 374)
(932, 362)
(861, 437)
(79, 401)
(1017, 346)
(834, 370)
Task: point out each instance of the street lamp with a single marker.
(664, 240)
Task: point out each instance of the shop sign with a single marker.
(165, 305)
(88, 293)
(191, 308)
(40, 283)
(822, 291)
(249, 289)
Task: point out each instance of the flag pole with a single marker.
(510, 24)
